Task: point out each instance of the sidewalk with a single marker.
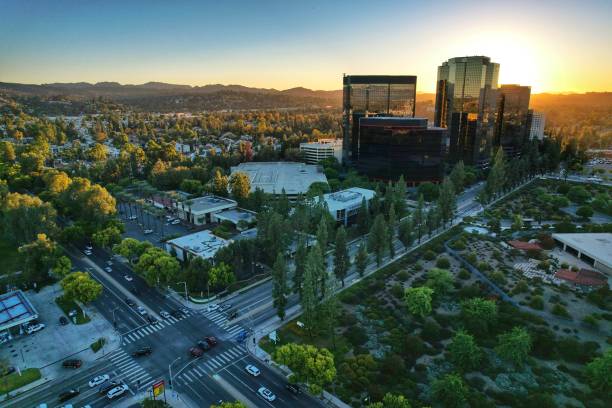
(174, 399)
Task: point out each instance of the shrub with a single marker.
(356, 335)
(483, 266)
(429, 255)
(464, 274)
(397, 290)
(521, 287)
(537, 302)
(560, 310)
(443, 263)
(418, 266)
(402, 275)
(498, 277)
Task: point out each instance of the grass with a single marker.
(13, 381)
(10, 258)
(98, 344)
(67, 305)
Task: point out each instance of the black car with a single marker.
(232, 315)
(224, 307)
(130, 302)
(8, 371)
(65, 396)
(143, 351)
(107, 386)
(63, 321)
(176, 314)
(72, 363)
(151, 319)
(203, 345)
(294, 389)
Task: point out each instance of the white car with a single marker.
(175, 222)
(169, 218)
(266, 394)
(109, 262)
(141, 310)
(213, 307)
(34, 328)
(88, 247)
(128, 278)
(164, 314)
(108, 269)
(87, 252)
(251, 369)
(98, 380)
(133, 217)
(148, 231)
(117, 391)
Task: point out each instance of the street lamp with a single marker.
(184, 283)
(170, 370)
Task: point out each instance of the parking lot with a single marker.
(135, 228)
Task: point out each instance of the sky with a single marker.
(553, 46)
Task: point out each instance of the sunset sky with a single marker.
(554, 46)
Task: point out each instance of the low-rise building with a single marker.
(240, 218)
(15, 310)
(314, 152)
(203, 244)
(344, 205)
(593, 248)
(200, 210)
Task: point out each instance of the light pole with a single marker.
(114, 319)
(186, 296)
(170, 371)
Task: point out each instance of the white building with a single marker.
(593, 248)
(199, 211)
(314, 152)
(203, 244)
(538, 120)
(274, 177)
(240, 218)
(344, 205)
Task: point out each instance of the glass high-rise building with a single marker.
(514, 118)
(466, 105)
(373, 95)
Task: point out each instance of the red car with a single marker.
(196, 352)
(211, 340)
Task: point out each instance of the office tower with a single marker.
(514, 118)
(389, 147)
(373, 95)
(538, 121)
(466, 105)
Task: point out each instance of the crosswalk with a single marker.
(129, 370)
(208, 366)
(152, 328)
(221, 320)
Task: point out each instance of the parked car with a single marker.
(101, 379)
(66, 395)
(213, 307)
(132, 217)
(108, 269)
(293, 388)
(151, 319)
(117, 391)
(175, 222)
(89, 247)
(203, 345)
(143, 351)
(224, 307)
(87, 252)
(63, 321)
(266, 394)
(109, 262)
(130, 302)
(251, 369)
(164, 314)
(232, 315)
(73, 363)
(196, 352)
(128, 278)
(106, 387)
(212, 341)
(148, 231)
(141, 310)
(72, 313)
(34, 328)
(176, 314)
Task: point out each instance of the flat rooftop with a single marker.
(595, 245)
(235, 215)
(210, 203)
(273, 177)
(349, 198)
(203, 243)
(15, 309)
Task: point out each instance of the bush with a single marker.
(98, 344)
(397, 290)
(537, 302)
(464, 274)
(443, 263)
(560, 310)
(402, 275)
(521, 287)
(498, 277)
(483, 266)
(356, 335)
(429, 255)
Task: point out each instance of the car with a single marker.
(73, 363)
(224, 307)
(101, 379)
(266, 394)
(130, 302)
(232, 315)
(108, 269)
(66, 395)
(63, 321)
(151, 319)
(109, 262)
(141, 310)
(175, 222)
(106, 387)
(212, 341)
(143, 351)
(34, 328)
(87, 252)
(196, 352)
(72, 313)
(128, 278)
(203, 345)
(164, 314)
(117, 391)
(132, 217)
(184, 310)
(293, 388)
(251, 369)
(89, 247)
(213, 307)
(9, 370)
(148, 231)
(176, 314)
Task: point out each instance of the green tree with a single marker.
(309, 298)
(342, 261)
(220, 183)
(131, 248)
(478, 315)
(309, 364)
(363, 218)
(447, 200)
(107, 238)
(299, 262)
(440, 280)
(584, 211)
(392, 221)
(221, 276)
(38, 257)
(514, 345)
(391, 401)
(98, 153)
(157, 267)
(25, 216)
(418, 217)
(457, 176)
(449, 391)
(280, 289)
(62, 266)
(405, 233)
(378, 239)
(599, 373)
(322, 234)
(464, 352)
(578, 194)
(81, 287)
(428, 190)
(240, 186)
(418, 300)
(235, 404)
(361, 259)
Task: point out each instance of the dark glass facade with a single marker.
(389, 147)
(373, 95)
(466, 105)
(514, 118)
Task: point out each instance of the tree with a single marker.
(514, 345)
(449, 391)
(62, 266)
(240, 186)
(447, 200)
(391, 401)
(478, 315)
(299, 262)
(584, 211)
(131, 248)
(309, 298)
(309, 364)
(25, 216)
(418, 300)
(280, 289)
(464, 352)
(496, 178)
(195, 275)
(157, 267)
(322, 234)
(107, 238)
(342, 261)
(98, 153)
(599, 373)
(7, 152)
(361, 259)
(428, 190)
(418, 217)
(221, 275)
(392, 220)
(235, 404)
(440, 280)
(378, 238)
(81, 287)
(457, 176)
(363, 218)
(38, 257)
(405, 233)
(578, 194)
(220, 183)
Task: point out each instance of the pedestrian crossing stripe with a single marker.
(221, 321)
(129, 369)
(213, 364)
(152, 328)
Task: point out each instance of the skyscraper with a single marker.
(538, 120)
(514, 118)
(466, 105)
(373, 95)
